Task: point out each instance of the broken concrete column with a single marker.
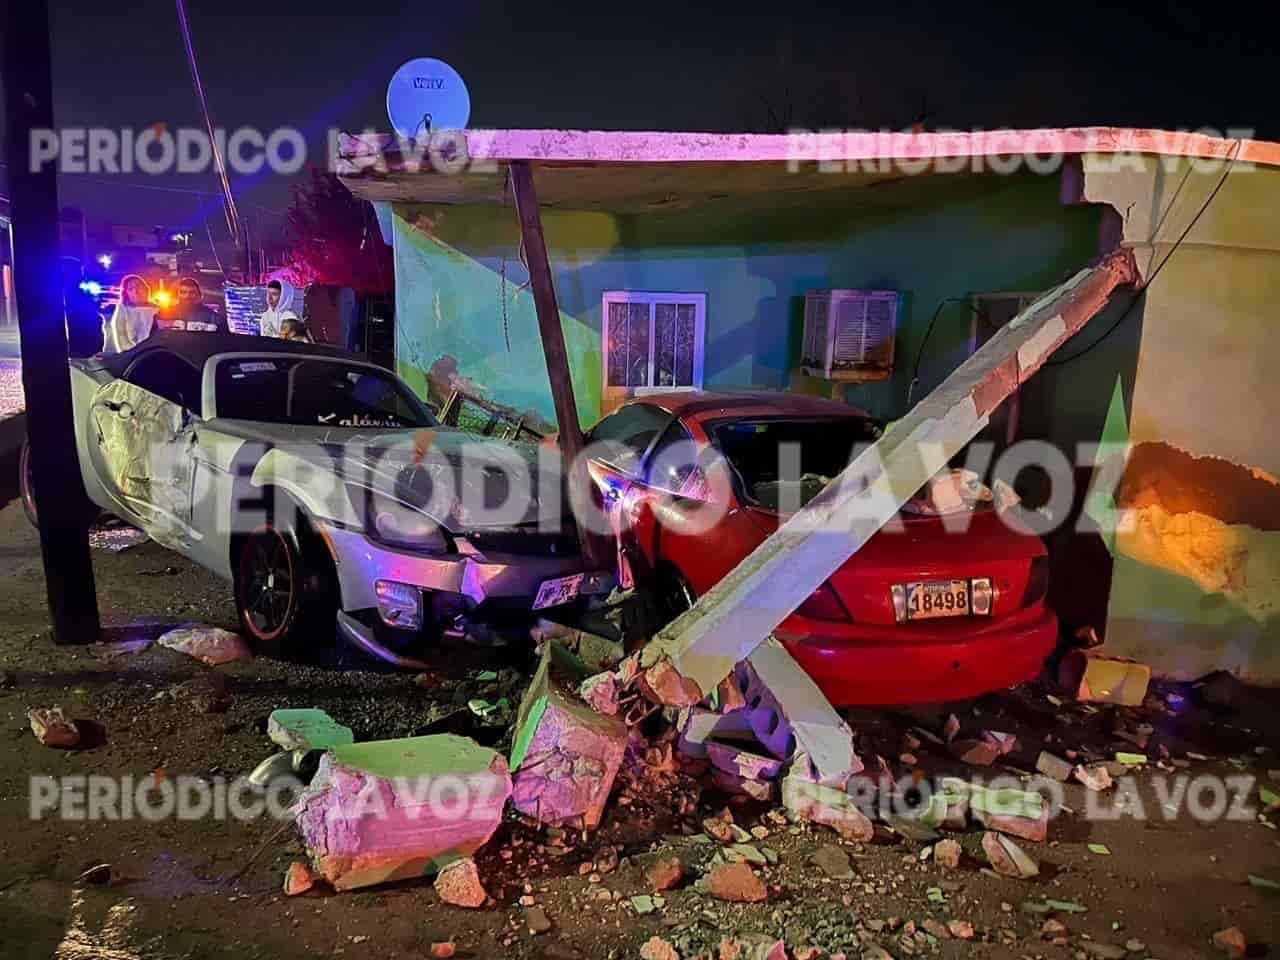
(701, 647)
(566, 755)
(789, 714)
(395, 809)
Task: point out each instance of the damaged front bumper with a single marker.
(452, 591)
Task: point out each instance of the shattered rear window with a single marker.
(814, 452)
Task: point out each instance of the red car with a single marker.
(919, 614)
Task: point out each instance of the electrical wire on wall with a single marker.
(1141, 291)
(915, 372)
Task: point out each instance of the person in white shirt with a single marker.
(279, 308)
(133, 318)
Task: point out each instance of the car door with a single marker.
(144, 429)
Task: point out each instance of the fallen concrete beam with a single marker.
(702, 645)
(396, 809)
(566, 755)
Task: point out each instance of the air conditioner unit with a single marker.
(849, 334)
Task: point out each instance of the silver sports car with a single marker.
(317, 485)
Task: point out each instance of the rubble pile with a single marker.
(689, 803)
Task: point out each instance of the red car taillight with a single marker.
(1037, 581)
(824, 605)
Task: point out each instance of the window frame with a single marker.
(151, 357)
(653, 297)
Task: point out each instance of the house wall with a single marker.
(950, 237)
(1196, 584)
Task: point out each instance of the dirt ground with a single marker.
(212, 888)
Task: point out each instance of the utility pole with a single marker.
(594, 547)
(38, 289)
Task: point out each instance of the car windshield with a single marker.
(312, 391)
(774, 457)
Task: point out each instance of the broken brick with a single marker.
(737, 883)
(1054, 767)
(298, 879)
(807, 799)
(458, 885)
(52, 728)
(665, 874)
(947, 853)
(1019, 813)
(978, 753)
(1095, 776)
(1007, 858)
(1231, 941)
(655, 948)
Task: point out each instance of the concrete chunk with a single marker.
(396, 809)
(1092, 676)
(565, 755)
(804, 797)
(306, 729)
(210, 645)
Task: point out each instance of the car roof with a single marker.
(709, 405)
(197, 348)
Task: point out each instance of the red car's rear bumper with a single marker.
(863, 665)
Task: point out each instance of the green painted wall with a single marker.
(929, 237)
(1196, 584)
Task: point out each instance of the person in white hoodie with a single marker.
(279, 308)
(133, 318)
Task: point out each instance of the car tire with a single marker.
(88, 511)
(285, 590)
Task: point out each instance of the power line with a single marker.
(233, 215)
(1138, 295)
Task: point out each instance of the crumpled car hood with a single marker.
(462, 481)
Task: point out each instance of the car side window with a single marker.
(627, 434)
(673, 460)
(167, 376)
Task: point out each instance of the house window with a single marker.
(653, 341)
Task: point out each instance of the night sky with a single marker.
(714, 66)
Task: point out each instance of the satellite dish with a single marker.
(425, 95)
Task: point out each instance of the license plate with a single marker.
(938, 598)
(552, 593)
